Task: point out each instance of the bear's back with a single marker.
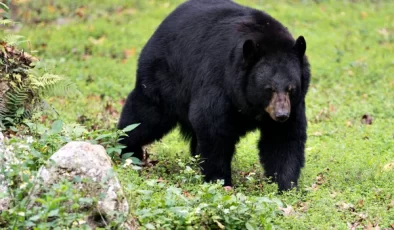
(207, 30)
(192, 47)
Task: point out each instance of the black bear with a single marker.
(219, 70)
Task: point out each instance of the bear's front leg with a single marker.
(214, 136)
(216, 154)
(282, 149)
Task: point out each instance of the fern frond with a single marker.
(13, 39)
(16, 99)
(25, 84)
(6, 22)
(3, 108)
(49, 85)
(15, 104)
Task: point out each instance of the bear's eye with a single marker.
(269, 89)
(291, 89)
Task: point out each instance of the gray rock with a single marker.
(91, 162)
(5, 156)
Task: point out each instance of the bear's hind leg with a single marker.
(154, 123)
(188, 133)
(193, 146)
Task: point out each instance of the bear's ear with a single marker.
(249, 50)
(300, 46)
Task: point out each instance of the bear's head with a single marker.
(274, 79)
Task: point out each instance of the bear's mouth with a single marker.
(279, 107)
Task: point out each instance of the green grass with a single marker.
(350, 48)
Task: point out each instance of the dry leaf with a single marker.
(43, 119)
(287, 211)
(383, 32)
(352, 226)
(98, 41)
(323, 115)
(129, 52)
(333, 194)
(370, 226)
(364, 14)
(80, 12)
(366, 119)
(166, 5)
(302, 206)
(320, 179)
(332, 108)
(317, 134)
(128, 11)
(51, 9)
(391, 205)
(389, 166)
(345, 206)
(360, 204)
(220, 225)
(186, 194)
(93, 97)
(122, 102)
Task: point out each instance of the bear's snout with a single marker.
(281, 116)
(279, 107)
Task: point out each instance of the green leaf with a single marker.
(34, 218)
(250, 226)
(111, 150)
(20, 111)
(57, 127)
(136, 160)
(9, 119)
(102, 136)
(130, 127)
(150, 226)
(126, 155)
(4, 7)
(86, 200)
(54, 213)
(77, 179)
(29, 224)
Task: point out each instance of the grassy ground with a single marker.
(348, 180)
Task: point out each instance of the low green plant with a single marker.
(110, 140)
(31, 149)
(188, 203)
(25, 81)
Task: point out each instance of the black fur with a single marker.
(211, 67)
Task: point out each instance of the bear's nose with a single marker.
(281, 117)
